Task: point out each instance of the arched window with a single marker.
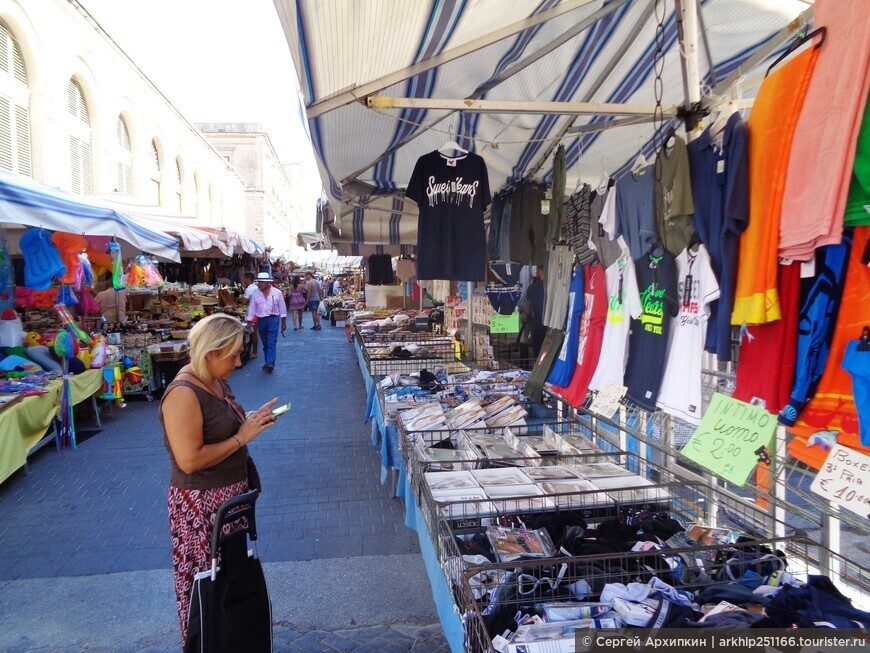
(178, 186)
(14, 103)
(81, 174)
(154, 174)
(124, 181)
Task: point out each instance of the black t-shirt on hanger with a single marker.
(451, 194)
(648, 340)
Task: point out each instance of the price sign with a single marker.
(730, 438)
(504, 323)
(844, 479)
(607, 401)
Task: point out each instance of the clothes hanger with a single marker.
(640, 163)
(450, 144)
(799, 41)
(729, 109)
(580, 152)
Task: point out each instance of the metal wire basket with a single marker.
(525, 586)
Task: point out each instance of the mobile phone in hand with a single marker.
(280, 410)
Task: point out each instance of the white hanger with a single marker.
(640, 163)
(606, 175)
(451, 144)
(580, 152)
(727, 110)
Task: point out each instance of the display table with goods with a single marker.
(602, 539)
(397, 393)
(554, 523)
(29, 409)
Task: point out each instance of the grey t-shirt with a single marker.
(607, 250)
(314, 290)
(635, 215)
(675, 207)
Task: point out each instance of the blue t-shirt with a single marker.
(635, 212)
(857, 363)
(563, 369)
(720, 189)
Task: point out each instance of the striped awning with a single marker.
(196, 236)
(28, 202)
(580, 51)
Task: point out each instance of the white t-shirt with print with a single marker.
(620, 310)
(680, 392)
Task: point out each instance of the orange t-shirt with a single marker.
(833, 406)
(771, 128)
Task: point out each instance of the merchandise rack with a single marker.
(685, 501)
(787, 498)
(415, 469)
(688, 504)
(549, 579)
(383, 366)
(496, 387)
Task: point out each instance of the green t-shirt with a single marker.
(675, 207)
(858, 201)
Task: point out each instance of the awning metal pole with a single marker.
(687, 25)
(470, 333)
(382, 102)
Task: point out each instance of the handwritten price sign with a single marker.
(844, 479)
(504, 323)
(729, 437)
(607, 401)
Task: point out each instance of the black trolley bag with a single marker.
(230, 610)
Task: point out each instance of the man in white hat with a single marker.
(265, 309)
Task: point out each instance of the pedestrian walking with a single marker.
(269, 312)
(296, 304)
(315, 293)
(250, 289)
(206, 434)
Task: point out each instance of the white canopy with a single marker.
(196, 236)
(28, 202)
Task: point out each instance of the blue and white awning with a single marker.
(579, 51)
(28, 202)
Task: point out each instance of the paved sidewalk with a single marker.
(85, 561)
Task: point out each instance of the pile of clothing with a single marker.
(645, 570)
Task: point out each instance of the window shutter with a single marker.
(5, 135)
(18, 64)
(14, 115)
(22, 140)
(5, 45)
(75, 169)
(87, 177)
(72, 92)
(124, 182)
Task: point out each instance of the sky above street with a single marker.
(216, 61)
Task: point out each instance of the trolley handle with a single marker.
(231, 511)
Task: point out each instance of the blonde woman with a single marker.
(206, 433)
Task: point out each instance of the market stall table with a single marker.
(24, 424)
